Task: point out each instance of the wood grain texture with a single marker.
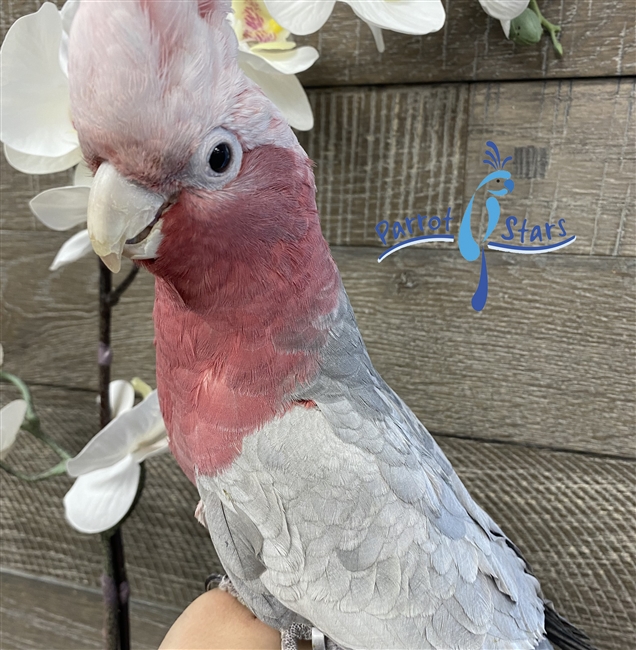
(574, 157)
(392, 153)
(573, 515)
(549, 361)
(598, 40)
(385, 153)
(36, 613)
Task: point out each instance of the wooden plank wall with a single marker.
(532, 399)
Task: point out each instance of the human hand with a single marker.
(217, 621)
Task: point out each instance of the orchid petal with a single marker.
(35, 96)
(300, 16)
(148, 451)
(83, 175)
(99, 500)
(286, 92)
(504, 9)
(119, 437)
(30, 164)
(73, 249)
(61, 208)
(11, 418)
(404, 16)
(288, 62)
(122, 397)
(505, 25)
(270, 45)
(67, 13)
(377, 37)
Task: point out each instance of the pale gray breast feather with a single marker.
(347, 542)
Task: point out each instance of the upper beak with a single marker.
(118, 210)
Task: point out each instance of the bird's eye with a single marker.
(220, 158)
(216, 161)
(499, 180)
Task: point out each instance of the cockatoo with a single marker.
(332, 509)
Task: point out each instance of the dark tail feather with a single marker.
(561, 632)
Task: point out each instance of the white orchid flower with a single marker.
(415, 17)
(271, 60)
(504, 11)
(63, 208)
(108, 468)
(11, 418)
(37, 131)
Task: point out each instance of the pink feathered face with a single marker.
(265, 212)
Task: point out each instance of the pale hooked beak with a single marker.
(123, 218)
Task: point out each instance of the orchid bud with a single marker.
(526, 28)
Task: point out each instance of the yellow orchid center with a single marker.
(255, 26)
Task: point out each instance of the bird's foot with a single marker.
(294, 633)
(299, 632)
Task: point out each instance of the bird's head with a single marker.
(187, 152)
(499, 183)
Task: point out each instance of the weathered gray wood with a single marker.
(598, 40)
(36, 613)
(394, 153)
(386, 153)
(574, 157)
(549, 361)
(571, 514)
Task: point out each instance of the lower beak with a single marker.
(118, 211)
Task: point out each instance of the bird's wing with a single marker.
(366, 529)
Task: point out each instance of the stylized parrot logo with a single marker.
(468, 247)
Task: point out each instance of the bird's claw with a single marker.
(213, 581)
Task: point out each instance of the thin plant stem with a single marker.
(31, 420)
(57, 470)
(549, 27)
(118, 292)
(25, 392)
(115, 584)
(110, 595)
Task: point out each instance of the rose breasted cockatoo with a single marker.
(329, 504)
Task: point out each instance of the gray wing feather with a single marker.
(238, 544)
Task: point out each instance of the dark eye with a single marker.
(220, 157)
